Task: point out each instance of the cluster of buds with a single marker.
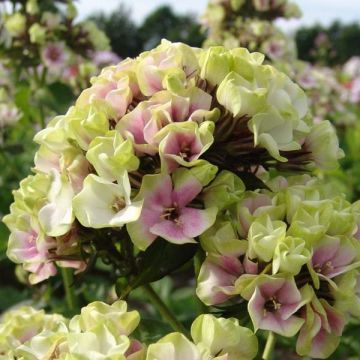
(290, 253)
(329, 96)
(156, 148)
(249, 23)
(9, 113)
(38, 35)
(351, 74)
(104, 332)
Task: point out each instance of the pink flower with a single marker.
(67, 250)
(149, 117)
(249, 207)
(103, 58)
(331, 257)
(30, 247)
(217, 278)
(116, 86)
(53, 55)
(184, 143)
(273, 306)
(320, 334)
(165, 212)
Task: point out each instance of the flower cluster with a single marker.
(329, 96)
(351, 72)
(249, 23)
(142, 142)
(291, 253)
(36, 35)
(9, 113)
(103, 332)
(164, 146)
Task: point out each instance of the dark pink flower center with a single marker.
(185, 152)
(171, 213)
(53, 53)
(272, 305)
(325, 268)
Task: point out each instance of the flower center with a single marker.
(271, 305)
(171, 213)
(118, 204)
(54, 53)
(32, 238)
(328, 266)
(185, 153)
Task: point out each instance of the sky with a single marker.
(314, 11)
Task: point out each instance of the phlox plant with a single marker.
(251, 24)
(181, 155)
(333, 93)
(46, 57)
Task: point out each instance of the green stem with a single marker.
(164, 310)
(269, 346)
(43, 76)
(68, 282)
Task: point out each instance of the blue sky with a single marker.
(323, 11)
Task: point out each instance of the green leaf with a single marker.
(4, 234)
(158, 260)
(251, 181)
(151, 330)
(61, 97)
(13, 148)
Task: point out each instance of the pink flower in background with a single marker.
(9, 115)
(103, 58)
(71, 71)
(54, 55)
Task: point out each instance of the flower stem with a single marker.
(269, 346)
(68, 280)
(164, 310)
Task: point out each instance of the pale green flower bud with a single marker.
(323, 144)
(264, 236)
(15, 24)
(290, 255)
(111, 155)
(241, 97)
(71, 11)
(220, 338)
(115, 317)
(37, 34)
(215, 65)
(225, 189)
(32, 7)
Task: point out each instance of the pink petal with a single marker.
(288, 327)
(325, 252)
(186, 191)
(159, 197)
(179, 109)
(256, 307)
(232, 265)
(270, 288)
(200, 100)
(195, 222)
(335, 318)
(344, 256)
(289, 293)
(171, 231)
